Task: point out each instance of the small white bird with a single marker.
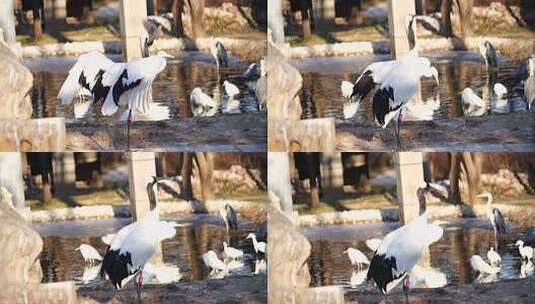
(258, 246)
(201, 104)
(429, 276)
(499, 102)
(479, 265)
(89, 253)
(231, 252)
(473, 105)
(350, 107)
(374, 243)
(526, 269)
(211, 260)
(260, 266)
(526, 252)
(230, 88)
(494, 257)
(356, 257)
(357, 278)
(90, 273)
(163, 274)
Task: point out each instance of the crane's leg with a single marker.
(139, 283)
(406, 286)
(128, 122)
(398, 134)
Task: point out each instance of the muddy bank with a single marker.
(511, 292)
(230, 290)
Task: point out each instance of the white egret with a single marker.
(259, 247)
(357, 257)
(89, 253)
(526, 252)
(494, 257)
(479, 265)
(212, 261)
(202, 104)
(231, 252)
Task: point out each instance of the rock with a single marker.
(16, 82)
(288, 252)
(21, 246)
(284, 84)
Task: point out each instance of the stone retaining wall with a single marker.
(108, 211)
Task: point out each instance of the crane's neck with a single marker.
(489, 200)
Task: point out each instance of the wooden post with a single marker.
(332, 171)
(279, 179)
(131, 16)
(64, 171)
(397, 12)
(7, 22)
(409, 176)
(37, 19)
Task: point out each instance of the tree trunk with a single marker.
(178, 26)
(11, 177)
(37, 19)
(465, 16)
(305, 18)
(196, 10)
(276, 21)
(186, 172)
(7, 22)
(445, 12)
(205, 164)
(472, 163)
(454, 177)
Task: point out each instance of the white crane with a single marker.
(357, 257)
(211, 260)
(487, 51)
(201, 104)
(494, 215)
(499, 102)
(473, 105)
(398, 87)
(231, 252)
(135, 244)
(219, 53)
(374, 243)
(89, 253)
(494, 257)
(479, 265)
(229, 216)
(399, 252)
(526, 252)
(259, 247)
(232, 104)
(116, 84)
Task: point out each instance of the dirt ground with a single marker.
(510, 292)
(230, 290)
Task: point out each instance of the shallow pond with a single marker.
(321, 95)
(172, 86)
(195, 235)
(449, 257)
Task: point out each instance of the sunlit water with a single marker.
(462, 238)
(196, 235)
(321, 95)
(172, 86)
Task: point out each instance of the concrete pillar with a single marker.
(332, 170)
(141, 166)
(276, 21)
(7, 22)
(397, 11)
(409, 176)
(11, 177)
(131, 16)
(64, 171)
(279, 179)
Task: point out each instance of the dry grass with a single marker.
(116, 196)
